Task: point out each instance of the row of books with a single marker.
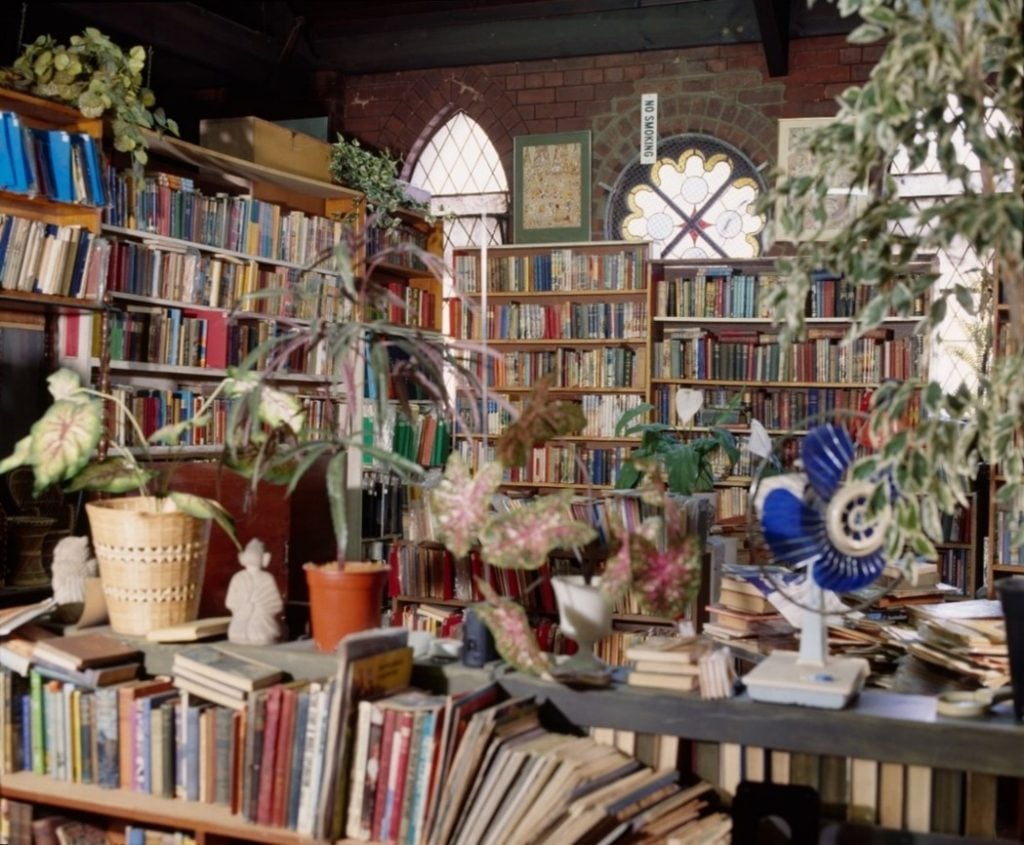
(557, 270)
(576, 320)
(169, 271)
(727, 292)
(570, 463)
(715, 292)
(1008, 550)
(54, 163)
(397, 245)
(172, 206)
(40, 257)
(609, 366)
(784, 410)
(425, 438)
(956, 526)
(407, 304)
(169, 336)
(756, 356)
(955, 567)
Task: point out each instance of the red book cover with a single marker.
(394, 574)
(383, 772)
(476, 568)
(216, 335)
(268, 759)
(447, 575)
(547, 593)
(282, 756)
(398, 777)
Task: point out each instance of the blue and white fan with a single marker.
(820, 521)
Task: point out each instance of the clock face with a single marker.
(698, 200)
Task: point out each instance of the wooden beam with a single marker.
(773, 20)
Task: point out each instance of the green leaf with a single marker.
(202, 508)
(337, 489)
(63, 384)
(63, 440)
(19, 457)
(113, 475)
(278, 408)
(622, 426)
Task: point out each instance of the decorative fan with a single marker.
(823, 521)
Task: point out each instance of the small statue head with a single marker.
(253, 555)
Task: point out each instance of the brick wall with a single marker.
(723, 91)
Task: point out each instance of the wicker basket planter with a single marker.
(151, 558)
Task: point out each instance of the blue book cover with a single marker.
(6, 154)
(105, 726)
(14, 134)
(298, 749)
(95, 191)
(26, 733)
(81, 254)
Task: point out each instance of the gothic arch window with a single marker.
(461, 168)
(698, 200)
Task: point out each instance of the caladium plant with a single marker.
(63, 444)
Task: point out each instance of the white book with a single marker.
(359, 757)
(312, 758)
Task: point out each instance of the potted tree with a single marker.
(151, 547)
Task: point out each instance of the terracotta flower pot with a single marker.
(343, 600)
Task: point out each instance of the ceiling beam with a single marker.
(448, 40)
(773, 20)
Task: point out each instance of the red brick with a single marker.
(835, 89)
(541, 127)
(555, 110)
(537, 95)
(849, 55)
(533, 80)
(569, 124)
(860, 73)
(554, 79)
(611, 90)
(872, 52)
(719, 65)
(825, 73)
(615, 60)
(515, 82)
(574, 92)
(761, 96)
(576, 63)
(593, 75)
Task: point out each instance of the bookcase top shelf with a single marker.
(879, 725)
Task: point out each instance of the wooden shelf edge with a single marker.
(137, 807)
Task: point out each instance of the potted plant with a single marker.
(376, 175)
(151, 547)
(398, 361)
(660, 557)
(96, 76)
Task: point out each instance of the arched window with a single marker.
(696, 201)
(461, 168)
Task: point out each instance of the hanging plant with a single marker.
(376, 175)
(96, 76)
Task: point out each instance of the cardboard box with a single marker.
(266, 143)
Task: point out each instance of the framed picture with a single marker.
(797, 159)
(551, 195)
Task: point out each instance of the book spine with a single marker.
(268, 760)
(388, 744)
(396, 777)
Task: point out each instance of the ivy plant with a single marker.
(947, 98)
(98, 77)
(376, 175)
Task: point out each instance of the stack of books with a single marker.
(664, 663)
(743, 610)
(86, 660)
(220, 677)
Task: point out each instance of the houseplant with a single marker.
(376, 175)
(957, 126)
(659, 556)
(96, 76)
(151, 547)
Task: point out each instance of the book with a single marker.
(373, 662)
(197, 629)
(127, 694)
(236, 671)
(226, 697)
(85, 651)
(98, 676)
(12, 618)
(663, 680)
(676, 650)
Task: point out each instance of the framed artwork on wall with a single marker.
(797, 159)
(551, 194)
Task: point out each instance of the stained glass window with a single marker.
(696, 201)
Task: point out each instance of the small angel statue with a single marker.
(253, 599)
(72, 564)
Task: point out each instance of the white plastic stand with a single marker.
(810, 678)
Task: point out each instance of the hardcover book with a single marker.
(85, 651)
(236, 671)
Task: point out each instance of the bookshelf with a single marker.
(575, 312)
(1002, 557)
(711, 331)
